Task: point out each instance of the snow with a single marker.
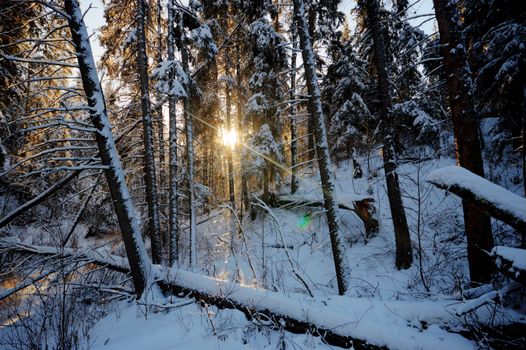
(203, 39)
(263, 33)
(171, 79)
(257, 104)
(383, 305)
(476, 303)
(515, 255)
(500, 197)
(188, 326)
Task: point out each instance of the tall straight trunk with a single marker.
(160, 129)
(173, 234)
(165, 236)
(140, 265)
(230, 152)
(292, 116)
(404, 255)
(467, 138)
(324, 161)
(154, 227)
(189, 144)
(239, 106)
(311, 152)
(523, 139)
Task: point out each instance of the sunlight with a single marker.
(229, 137)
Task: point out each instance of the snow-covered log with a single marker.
(115, 263)
(474, 304)
(485, 195)
(340, 321)
(511, 262)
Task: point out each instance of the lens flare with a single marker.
(229, 137)
(304, 221)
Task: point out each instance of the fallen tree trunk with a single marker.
(362, 206)
(495, 200)
(511, 262)
(256, 304)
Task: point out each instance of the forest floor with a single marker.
(289, 252)
(416, 308)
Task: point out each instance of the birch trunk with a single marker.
(322, 148)
(140, 265)
(467, 138)
(154, 227)
(404, 254)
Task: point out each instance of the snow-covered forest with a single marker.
(262, 174)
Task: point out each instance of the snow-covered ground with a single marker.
(284, 254)
(383, 305)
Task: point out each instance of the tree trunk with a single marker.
(404, 255)
(293, 110)
(140, 266)
(154, 227)
(172, 103)
(188, 118)
(230, 151)
(239, 106)
(324, 160)
(311, 152)
(467, 138)
(160, 135)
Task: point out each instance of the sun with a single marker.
(229, 137)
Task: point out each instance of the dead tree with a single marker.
(467, 138)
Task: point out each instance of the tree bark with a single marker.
(404, 255)
(320, 134)
(239, 106)
(154, 226)
(292, 116)
(173, 165)
(188, 118)
(467, 138)
(140, 265)
(230, 151)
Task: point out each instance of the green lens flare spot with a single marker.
(304, 221)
